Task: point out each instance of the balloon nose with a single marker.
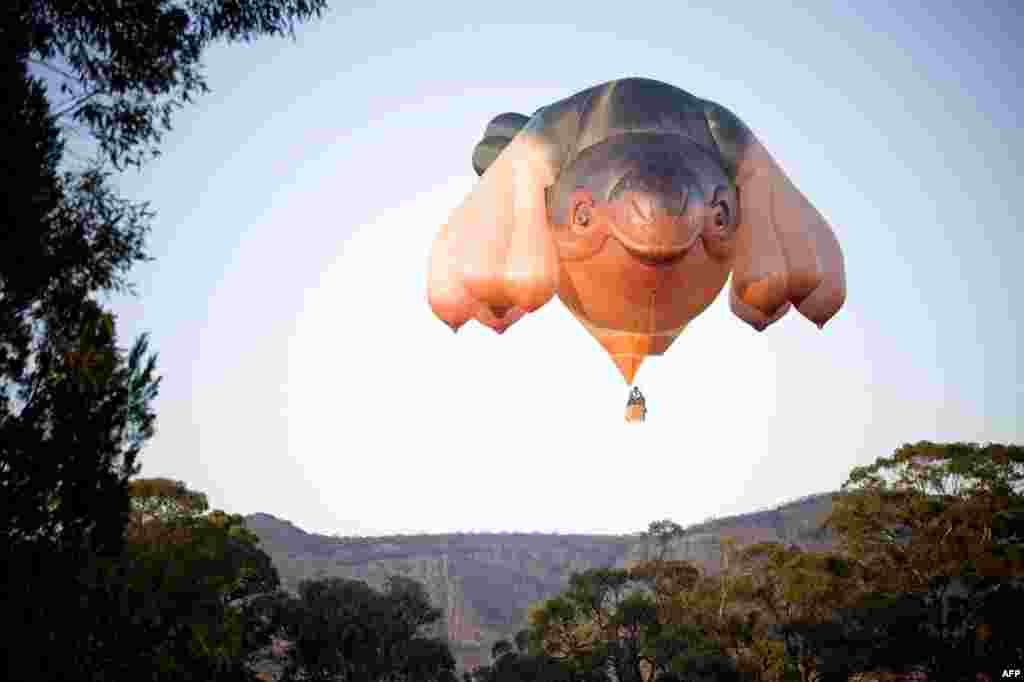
(659, 227)
(644, 207)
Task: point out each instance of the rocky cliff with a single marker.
(485, 583)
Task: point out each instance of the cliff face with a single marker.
(796, 523)
(484, 584)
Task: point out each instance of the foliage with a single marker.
(661, 534)
(935, 510)
(936, 532)
(519, 664)
(181, 586)
(76, 407)
(345, 630)
(163, 500)
(65, 458)
(928, 578)
(626, 623)
(955, 629)
(124, 69)
(777, 585)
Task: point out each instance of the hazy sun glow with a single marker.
(305, 376)
(469, 428)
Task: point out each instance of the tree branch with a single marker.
(82, 99)
(51, 67)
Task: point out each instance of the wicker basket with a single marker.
(636, 406)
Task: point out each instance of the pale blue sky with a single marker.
(306, 377)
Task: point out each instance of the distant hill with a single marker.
(484, 583)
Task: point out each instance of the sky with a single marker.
(305, 375)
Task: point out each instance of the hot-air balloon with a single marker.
(633, 201)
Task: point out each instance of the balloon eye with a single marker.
(721, 210)
(582, 217)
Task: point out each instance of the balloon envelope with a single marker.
(633, 201)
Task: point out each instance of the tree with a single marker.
(935, 510)
(501, 648)
(164, 501)
(660, 535)
(936, 533)
(522, 641)
(345, 630)
(627, 624)
(65, 458)
(166, 513)
(122, 72)
(955, 629)
(780, 586)
(519, 664)
(185, 582)
(75, 407)
(724, 624)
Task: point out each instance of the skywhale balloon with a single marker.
(633, 201)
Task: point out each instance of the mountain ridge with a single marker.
(485, 583)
